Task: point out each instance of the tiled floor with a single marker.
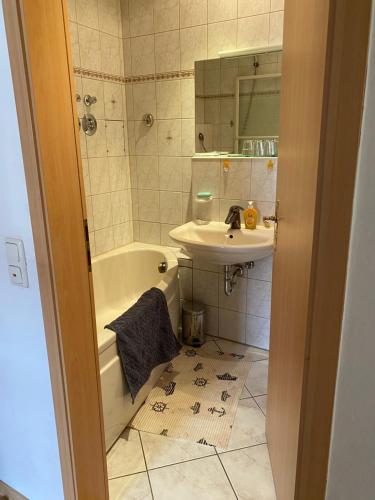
(144, 466)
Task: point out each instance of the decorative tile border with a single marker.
(97, 75)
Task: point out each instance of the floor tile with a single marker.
(202, 479)
(250, 473)
(257, 379)
(262, 402)
(126, 456)
(135, 487)
(253, 353)
(160, 450)
(248, 427)
(245, 394)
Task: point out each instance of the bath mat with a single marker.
(196, 398)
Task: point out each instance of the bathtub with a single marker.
(120, 277)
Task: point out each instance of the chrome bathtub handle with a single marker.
(163, 267)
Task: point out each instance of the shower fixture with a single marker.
(89, 124)
(148, 119)
(89, 100)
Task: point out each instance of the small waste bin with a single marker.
(193, 317)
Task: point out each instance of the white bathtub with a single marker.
(120, 277)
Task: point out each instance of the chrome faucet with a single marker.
(234, 217)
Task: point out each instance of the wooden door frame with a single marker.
(42, 74)
(74, 363)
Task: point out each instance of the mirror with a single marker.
(237, 104)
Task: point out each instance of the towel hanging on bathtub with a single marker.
(145, 338)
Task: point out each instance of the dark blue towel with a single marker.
(145, 338)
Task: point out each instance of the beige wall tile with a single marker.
(169, 137)
(147, 172)
(149, 205)
(72, 12)
(253, 7)
(96, 144)
(193, 13)
(253, 31)
(99, 175)
(143, 55)
(166, 15)
(170, 207)
(263, 180)
(206, 287)
(110, 16)
(87, 13)
(221, 36)
(144, 99)
(221, 10)
(232, 325)
(187, 98)
(120, 207)
(113, 104)
(277, 5)
(89, 48)
(276, 28)
(146, 139)
(101, 210)
(168, 99)
(170, 173)
(236, 182)
(111, 53)
(73, 28)
(115, 138)
(119, 175)
(193, 46)
(141, 16)
(187, 137)
(104, 241)
(149, 232)
(167, 51)
(125, 20)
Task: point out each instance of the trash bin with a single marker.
(193, 314)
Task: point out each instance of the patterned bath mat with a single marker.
(196, 398)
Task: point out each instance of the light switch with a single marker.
(17, 266)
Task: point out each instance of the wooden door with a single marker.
(325, 52)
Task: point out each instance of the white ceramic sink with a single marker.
(218, 244)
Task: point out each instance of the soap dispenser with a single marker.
(250, 216)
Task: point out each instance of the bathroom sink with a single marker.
(218, 244)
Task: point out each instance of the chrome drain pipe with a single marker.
(231, 273)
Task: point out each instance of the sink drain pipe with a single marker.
(231, 273)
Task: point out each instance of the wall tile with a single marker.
(119, 173)
(259, 298)
(90, 219)
(127, 55)
(144, 99)
(170, 173)
(193, 13)
(232, 325)
(148, 208)
(253, 31)
(167, 51)
(120, 207)
(276, 28)
(263, 180)
(221, 36)
(104, 241)
(86, 176)
(187, 209)
(211, 326)
(206, 287)
(166, 15)
(187, 98)
(89, 48)
(115, 138)
(111, 54)
(147, 172)
(171, 207)
(169, 137)
(168, 99)
(164, 235)
(262, 269)
(141, 16)
(187, 137)
(123, 234)
(146, 139)
(101, 210)
(277, 5)
(206, 177)
(87, 13)
(73, 28)
(149, 232)
(99, 175)
(193, 46)
(237, 300)
(125, 19)
(110, 16)
(142, 55)
(253, 8)
(221, 10)
(113, 101)
(258, 331)
(72, 13)
(236, 182)
(186, 175)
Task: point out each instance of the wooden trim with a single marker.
(9, 493)
(42, 74)
(345, 86)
